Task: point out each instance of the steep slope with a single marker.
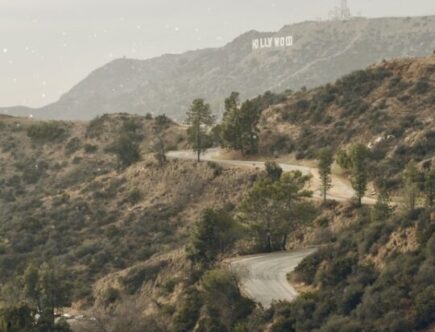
(389, 107)
(64, 199)
(322, 52)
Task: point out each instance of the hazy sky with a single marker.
(47, 46)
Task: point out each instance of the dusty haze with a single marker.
(46, 48)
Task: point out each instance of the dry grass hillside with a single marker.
(92, 198)
(64, 199)
(389, 107)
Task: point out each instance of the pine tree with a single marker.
(274, 208)
(239, 126)
(326, 159)
(382, 210)
(159, 144)
(410, 185)
(199, 119)
(213, 235)
(359, 170)
(232, 124)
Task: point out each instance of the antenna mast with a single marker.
(345, 10)
(341, 12)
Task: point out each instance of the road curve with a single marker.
(264, 277)
(341, 188)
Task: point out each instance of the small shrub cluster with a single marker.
(136, 277)
(48, 132)
(218, 306)
(355, 296)
(72, 146)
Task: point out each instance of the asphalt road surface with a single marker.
(264, 277)
(341, 188)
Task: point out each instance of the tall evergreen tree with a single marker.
(199, 119)
(159, 144)
(359, 170)
(382, 210)
(232, 124)
(239, 126)
(326, 158)
(213, 235)
(410, 178)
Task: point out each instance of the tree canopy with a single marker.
(274, 208)
(199, 119)
(213, 235)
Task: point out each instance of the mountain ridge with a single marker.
(322, 52)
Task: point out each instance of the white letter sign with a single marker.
(272, 42)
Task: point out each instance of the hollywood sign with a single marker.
(272, 42)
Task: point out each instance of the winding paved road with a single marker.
(341, 188)
(264, 277)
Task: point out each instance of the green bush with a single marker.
(16, 319)
(342, 324)
(307, 269)
(223, 298)
(214, 235)
(89, 148)
(72, 146)
(188, 311)
(162, 122)
(425, 307)
(134, 196)
(48, 132)
(422, 86)
(273, 170)
(169, 285)
(32, 170)
(337, 270)
(126, 145)
(132, 127)
(126, 150)
(137, 276)
(217, 169)
(95, 127)
(110, 295)
(350, 298)
(277, 143)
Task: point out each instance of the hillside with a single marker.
(65, 200)
(388, 107)
(143, 245)
(322, 52)
(122, 234)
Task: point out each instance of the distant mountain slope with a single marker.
(322, 52)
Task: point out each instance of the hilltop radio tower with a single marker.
(345, 10)
(341, 13)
